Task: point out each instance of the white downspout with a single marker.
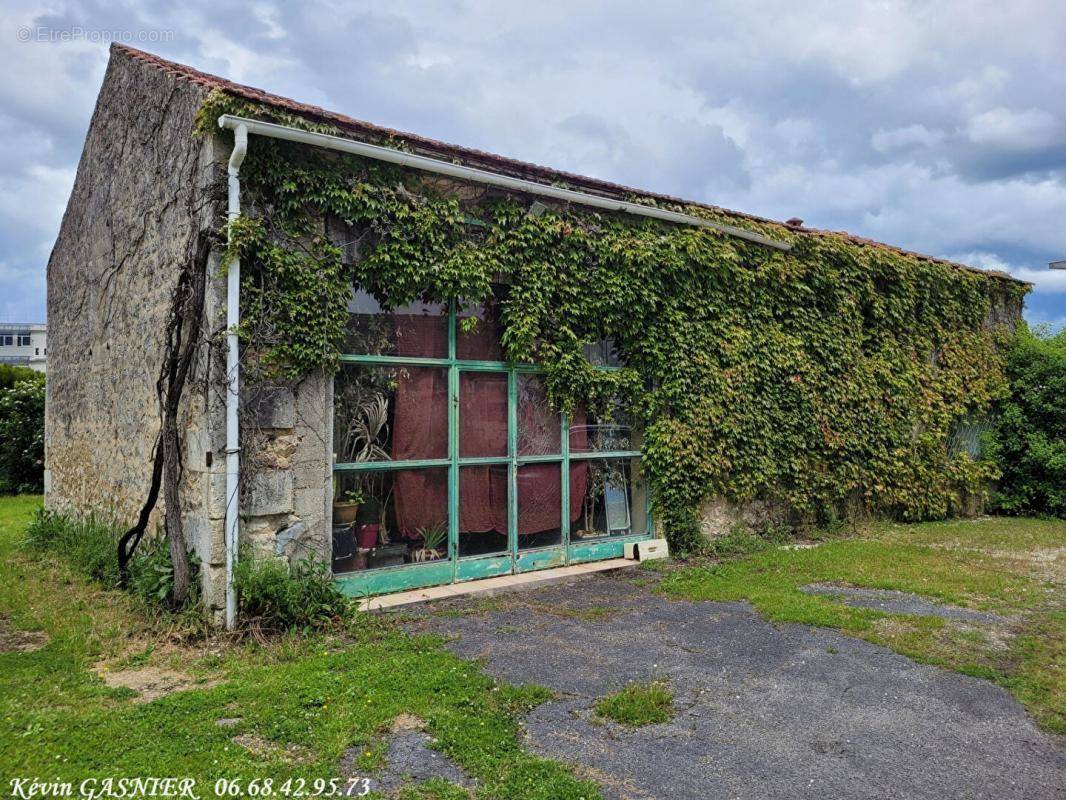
(233, 373)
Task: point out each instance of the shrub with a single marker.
(22, 434)
(280, 596)
(152, 574)
(11, 374)
(1029, 440)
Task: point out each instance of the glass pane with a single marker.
(390, 413)
(388, 518)
(606, 498)
(538, 424)
(482, 414)
(483, 510)
(540, 505)
(603, 353)
(478, 334)
(419, 329)
(599, 433)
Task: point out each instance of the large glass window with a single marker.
(540, 510)
(446, 454)
(395, 413)
(604, 432)
(482, 414)
(538, 422)
(483, 510)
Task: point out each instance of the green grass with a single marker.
(322, 693)
(1010, 566)
(639, 704)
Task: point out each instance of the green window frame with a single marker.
(459, 568)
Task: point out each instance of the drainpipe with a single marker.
(233, 373)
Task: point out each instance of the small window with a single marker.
(7, 340)
(603, 353)
(36, 351)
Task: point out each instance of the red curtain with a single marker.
(420, 424)
(420, 431)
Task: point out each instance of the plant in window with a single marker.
(346, 503)
(366, 412)
(434, 543)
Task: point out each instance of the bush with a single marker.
(11, 374)
(90, 546)
(272, 594)
(1029, 441)
(22, 433)
(279, 596)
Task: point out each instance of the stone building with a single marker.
(434, 500)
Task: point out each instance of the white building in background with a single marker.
(24, 344)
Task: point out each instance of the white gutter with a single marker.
(427, 164)
(233, 374)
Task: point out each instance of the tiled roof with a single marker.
(483, 160)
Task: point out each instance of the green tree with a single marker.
(22, 435)
(1030, 439)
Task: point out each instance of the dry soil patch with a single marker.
(15, 641)
(151, 683)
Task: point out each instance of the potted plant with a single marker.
(434, 543)
(346, 506)
(369, 519)
(366, 535)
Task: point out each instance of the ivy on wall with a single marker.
(826, 379)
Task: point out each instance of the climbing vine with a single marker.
(826, 379)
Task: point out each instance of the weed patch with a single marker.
(639, 704)
(278, 596)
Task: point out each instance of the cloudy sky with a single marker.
(940, 126)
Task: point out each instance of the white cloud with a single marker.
(1002, 127)
(873, 117)
(1045, 281)
(911, 135)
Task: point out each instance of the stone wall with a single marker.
(146, 189)
(287, 483)
(140, 199)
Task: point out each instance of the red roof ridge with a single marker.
(492, 161)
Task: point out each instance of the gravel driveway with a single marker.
(763, 711)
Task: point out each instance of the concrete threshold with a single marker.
(490, 586)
